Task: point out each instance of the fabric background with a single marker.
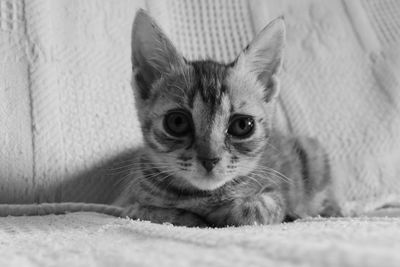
(66, 105)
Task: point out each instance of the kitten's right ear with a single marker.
(153, 54)
(263, 56)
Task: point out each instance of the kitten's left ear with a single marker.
(153, 54)
(263, 56)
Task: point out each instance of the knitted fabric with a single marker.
(66, 105)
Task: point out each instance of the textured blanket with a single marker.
(88, 239)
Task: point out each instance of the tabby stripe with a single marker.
(249, 148)
(208, 77)
(148, 188)
(246, 211)
(171, 144)
(302, 154)
(259, 217)
(327, 171)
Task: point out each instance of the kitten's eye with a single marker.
(177, 123)
(241, 126)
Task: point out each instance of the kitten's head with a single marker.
(205, 122)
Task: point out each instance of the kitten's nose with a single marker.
(209, 164)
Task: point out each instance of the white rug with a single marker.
(89, 239)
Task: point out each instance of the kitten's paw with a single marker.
(331, 208)
(164, 215)
(257, 210)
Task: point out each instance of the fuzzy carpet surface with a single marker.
(90, 239)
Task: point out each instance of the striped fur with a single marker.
(259, 179)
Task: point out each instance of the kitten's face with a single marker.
(204, 122)
(204, 126)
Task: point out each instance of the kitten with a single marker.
(211, 154)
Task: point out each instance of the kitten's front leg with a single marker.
(261, 209)
(163, 215)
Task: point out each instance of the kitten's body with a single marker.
(230, 167)
(216, 172)
(292, 181)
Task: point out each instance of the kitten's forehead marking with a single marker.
(208, 81)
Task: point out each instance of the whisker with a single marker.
(266, 172)
(275, 171)
(165, 178)
(153, 175)
(276, 175)
(253, 179)
(262, 177)
(122, 169)
(274, 147)
(138, 164)
(124, 180)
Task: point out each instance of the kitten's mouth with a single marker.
(209, 181)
